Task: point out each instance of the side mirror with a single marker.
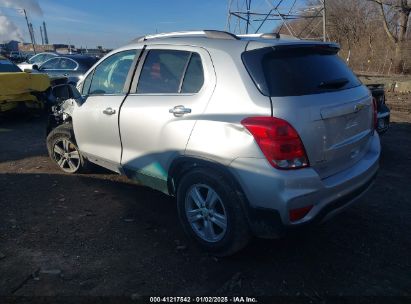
(63, 92)
(35, 67)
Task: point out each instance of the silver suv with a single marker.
(253, 135)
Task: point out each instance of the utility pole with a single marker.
(248, 15)
(324, 22)
(30, 32)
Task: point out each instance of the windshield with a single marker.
(34, 59)
(7, 66)
(40, 58)
(298, 70)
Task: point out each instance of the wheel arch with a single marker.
(183, 164)
(65, 130)
(55, 120)
(265, 223)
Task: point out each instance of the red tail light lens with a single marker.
(279, 142)
(299, 213)
(375, 112)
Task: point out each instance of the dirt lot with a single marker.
(101, 235)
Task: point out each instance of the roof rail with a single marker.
(212, 34)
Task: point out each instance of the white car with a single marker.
(37, 59)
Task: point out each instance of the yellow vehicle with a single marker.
(18, 87)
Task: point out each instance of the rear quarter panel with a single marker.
(218, 134)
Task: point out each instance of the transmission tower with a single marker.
(256, 16)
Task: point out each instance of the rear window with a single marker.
(87, 62)
(301, 70)
(7, 66)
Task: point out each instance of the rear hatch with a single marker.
(314, 90)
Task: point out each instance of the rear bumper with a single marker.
(267, 223)
(272, 193)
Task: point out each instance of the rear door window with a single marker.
(163, 71)
(51, 64)
(300, 70)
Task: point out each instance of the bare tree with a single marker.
(395, 15)
(361, 28)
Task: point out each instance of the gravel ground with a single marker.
(101, 235)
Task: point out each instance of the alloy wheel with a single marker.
(66, 155)
(206, 213)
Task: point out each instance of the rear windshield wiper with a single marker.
(334, 84)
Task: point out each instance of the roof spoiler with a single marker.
(328, 47)
(320, 46)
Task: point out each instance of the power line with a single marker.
(244, 15)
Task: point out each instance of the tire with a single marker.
(63, 150)
(220, 205)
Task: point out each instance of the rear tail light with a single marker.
(279, 142)
(299, 213)
(375, 112)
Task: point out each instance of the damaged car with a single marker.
(253, 135)
(19, 89)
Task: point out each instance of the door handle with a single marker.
(65, 75)
(179, 110)
(109, 111)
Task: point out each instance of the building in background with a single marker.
(10, 46)
(62, 49)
